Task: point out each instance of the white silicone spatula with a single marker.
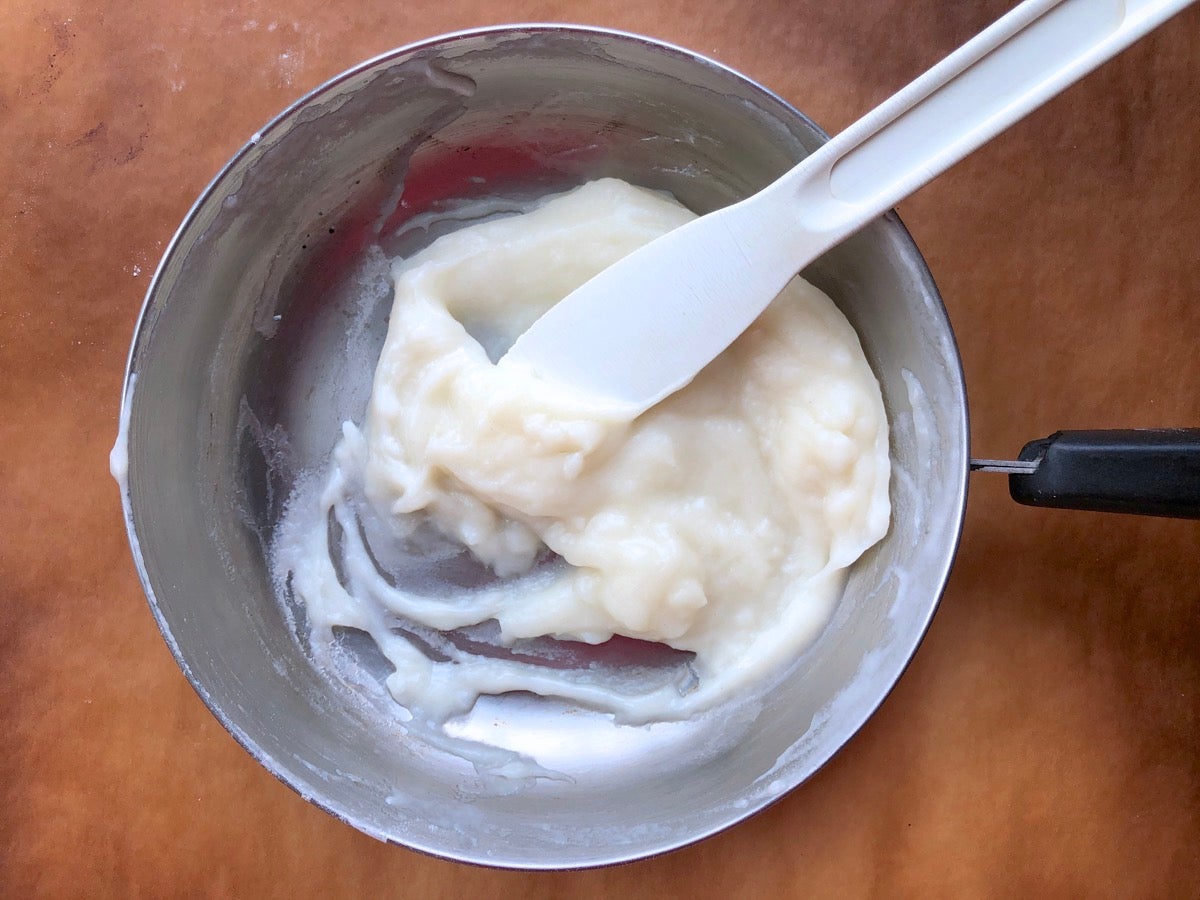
(643, 328)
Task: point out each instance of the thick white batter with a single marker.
(720, 522)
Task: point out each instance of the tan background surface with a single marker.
(1045, 739)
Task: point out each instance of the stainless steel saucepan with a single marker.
(258, 339)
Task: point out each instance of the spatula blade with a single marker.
(644, 327)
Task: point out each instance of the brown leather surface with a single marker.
(1046, 739)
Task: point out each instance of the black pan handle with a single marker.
(1152, 472)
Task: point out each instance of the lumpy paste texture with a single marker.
(484, 524)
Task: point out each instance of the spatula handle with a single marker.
(1004, 73)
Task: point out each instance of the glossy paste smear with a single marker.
(485, 527)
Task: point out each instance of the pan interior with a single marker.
(260, 337)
